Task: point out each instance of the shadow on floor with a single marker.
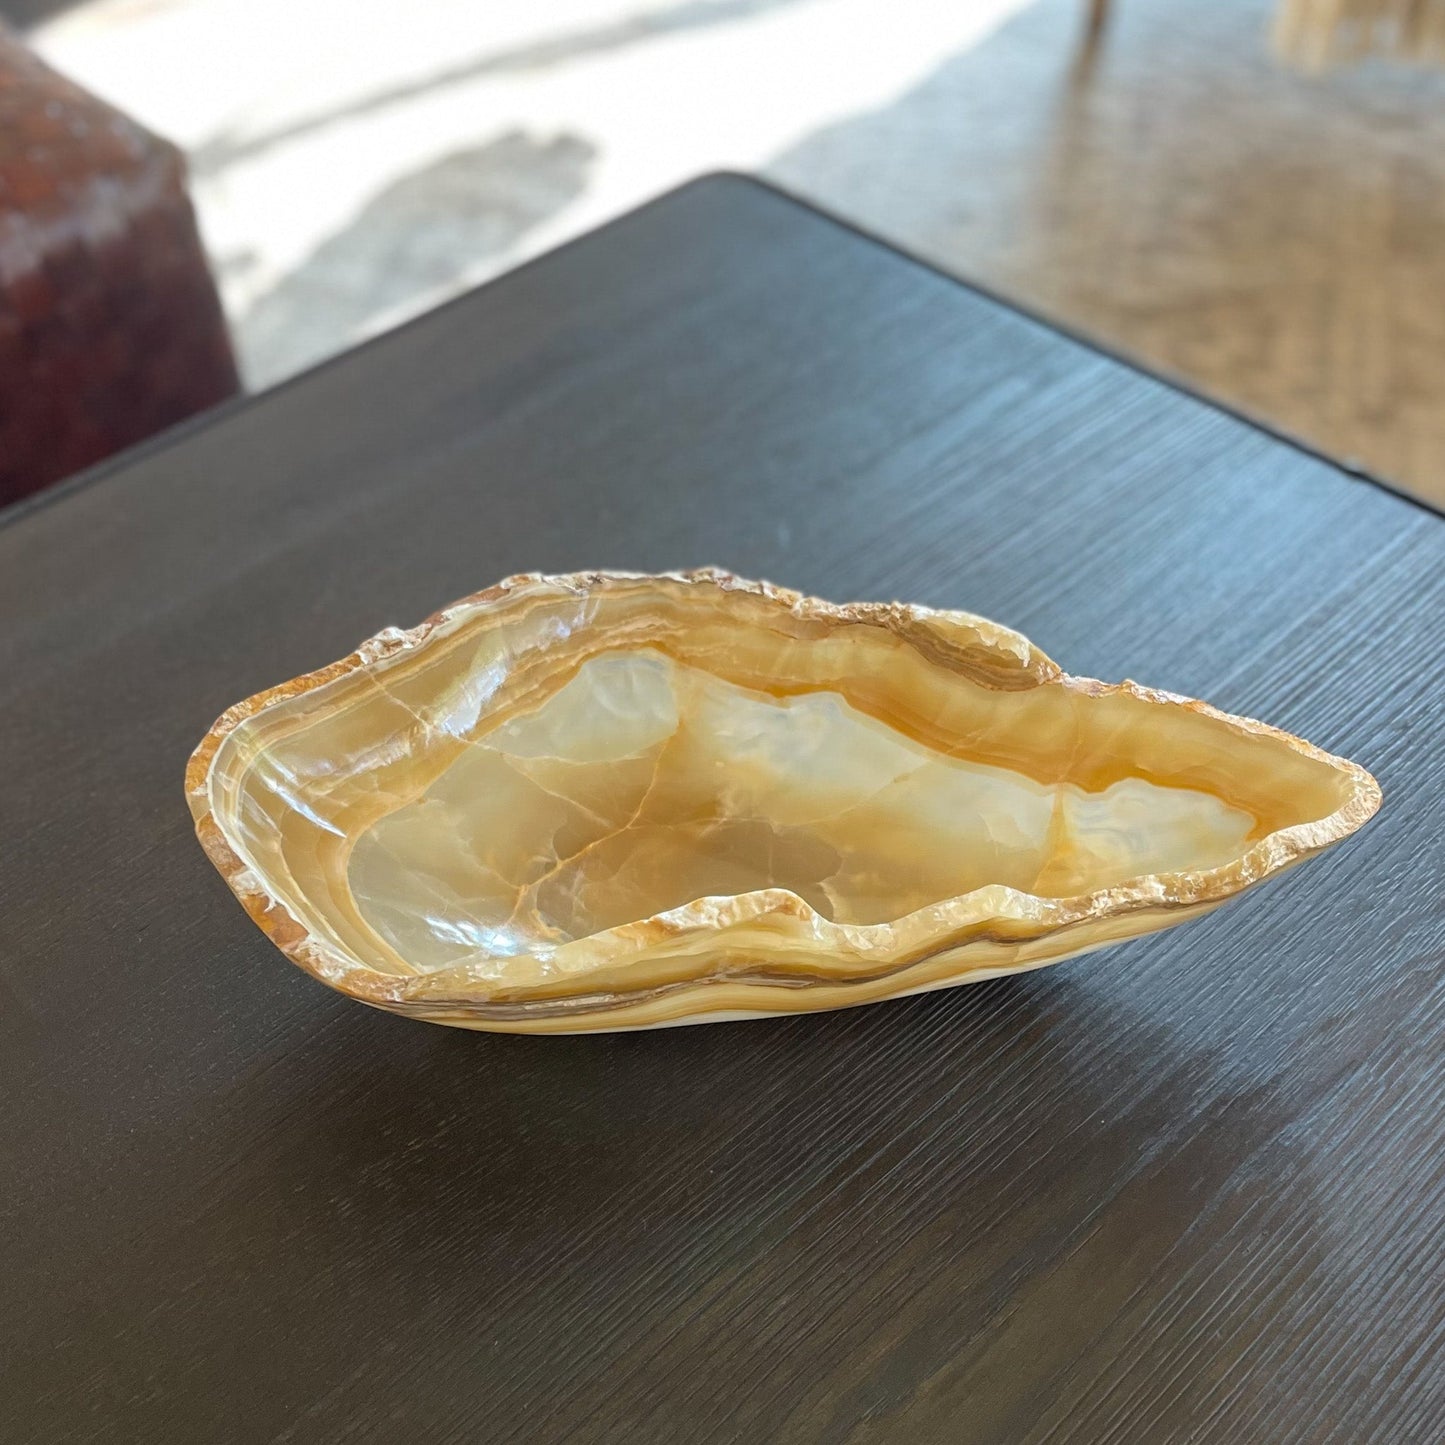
(25, 13)
(417, 236)
(227, 149)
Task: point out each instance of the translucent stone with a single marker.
(609, 801)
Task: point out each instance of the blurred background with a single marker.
(1247, 195)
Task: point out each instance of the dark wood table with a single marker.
(1189, 1189)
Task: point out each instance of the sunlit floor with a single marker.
(1271, 237)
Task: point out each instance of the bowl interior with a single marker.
(543, 769)
(642, 784)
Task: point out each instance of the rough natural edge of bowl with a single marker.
(942, 928)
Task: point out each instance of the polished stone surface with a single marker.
(607, 800)
(642, 785)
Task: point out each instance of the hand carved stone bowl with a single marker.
(609, 801)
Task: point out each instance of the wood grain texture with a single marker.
(1192, 1188)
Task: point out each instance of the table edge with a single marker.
(1354, 471)
(17, 512)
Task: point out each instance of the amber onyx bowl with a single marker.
(609, 801)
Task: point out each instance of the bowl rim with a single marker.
(996, 655)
